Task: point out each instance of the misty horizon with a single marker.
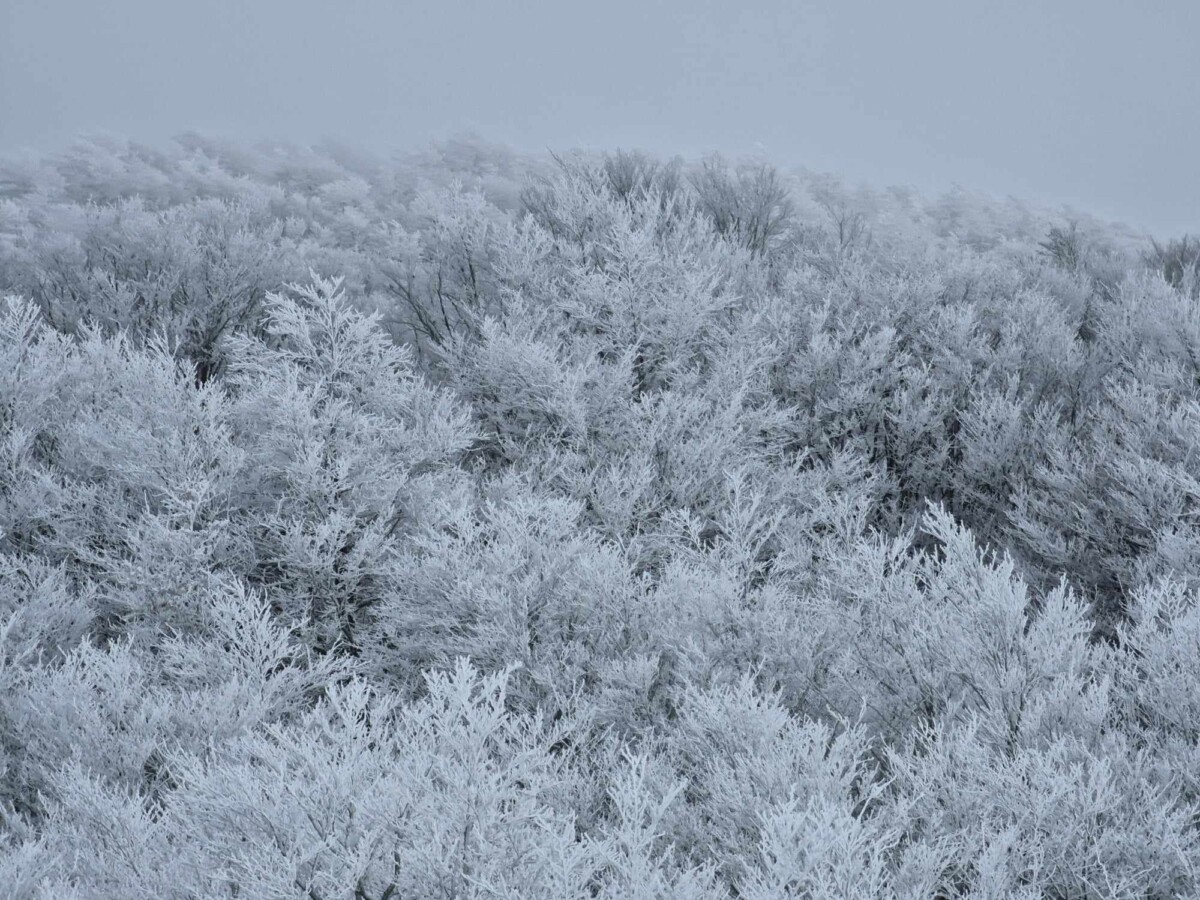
(1083, 105)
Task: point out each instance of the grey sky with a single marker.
(1094, 103)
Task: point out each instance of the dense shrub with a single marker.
(480, 526)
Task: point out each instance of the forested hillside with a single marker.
(476, 525)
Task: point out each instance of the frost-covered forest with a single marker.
(468, 524)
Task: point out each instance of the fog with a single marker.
(1087, 104)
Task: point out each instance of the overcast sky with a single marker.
(1092, 103)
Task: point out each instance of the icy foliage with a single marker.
(480, 526)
